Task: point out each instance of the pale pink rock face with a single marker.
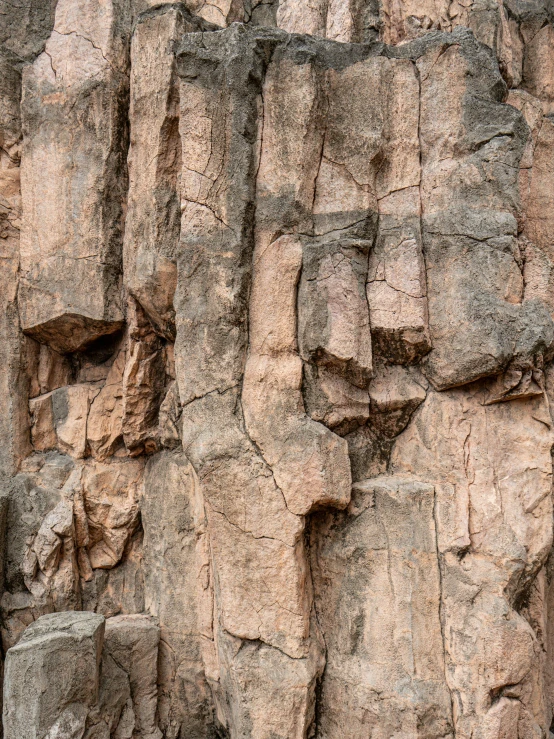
(276, 369)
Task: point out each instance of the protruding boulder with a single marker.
(52, 677)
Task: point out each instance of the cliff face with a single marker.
(277, 369)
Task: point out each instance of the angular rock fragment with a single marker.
(105, 420)
(333, 311)
(143, 383)
(111, 493)
(41, 573)
(59, 419)
(332, 400)
(61, 654)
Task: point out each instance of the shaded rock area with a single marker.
(277, 369)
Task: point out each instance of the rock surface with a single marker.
(277, 369)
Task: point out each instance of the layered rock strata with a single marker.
(276, 350)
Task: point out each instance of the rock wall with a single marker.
(276, 369)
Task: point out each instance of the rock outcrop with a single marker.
(276, 369)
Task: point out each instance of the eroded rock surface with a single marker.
(276, 369)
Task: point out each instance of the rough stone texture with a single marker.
(75, 675)
(73, 113)
(52, 677)
(377, 580)
(177, 591)
(276, 368)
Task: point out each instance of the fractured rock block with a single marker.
(491, 467)
(333, 314)
(274, 696)
(111, 493)
(309, 462)
(253, 523)
(332, 400)
(340, 20)
(394, 394)
(52, 677)
(478, 317)
(155, 160)
(73, 178)
(105, 420)
(377, 580)
(396, 292)
(59, 419)
(538, 66)
(143, 383)
(132, 642)
(14, 421)
(177, 591)
(217, 193)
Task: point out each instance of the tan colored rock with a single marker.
(54, 370)
(396, 281)
(396, 292)
(143, 383)
(334, 401)
(152, 222)
(105, 420)
(14, 421)
(377, 587)
(178, 591)
(333, 320)
(248, 519)
(43, 430)
(494, 532)
(71, 239)
(59, 419)
(120, 590)
(310, 463)
(337, 267)
(110, 493)
(169, 418)
(411, 18)
(478, 317)
(273, 695)
(538, 67)
(252, 524)
(332, 19)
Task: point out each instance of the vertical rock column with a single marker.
(261, 623)
(14, 423)
(74, 181)
(485, 446)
